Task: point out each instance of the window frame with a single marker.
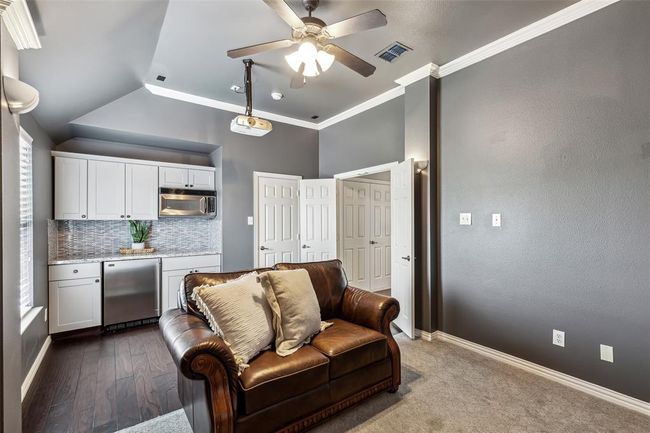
(25, 140)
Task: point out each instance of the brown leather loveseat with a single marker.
(345, 364)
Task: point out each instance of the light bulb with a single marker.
(311, 70)
(294, 60)
(308, 51)
(324, 59)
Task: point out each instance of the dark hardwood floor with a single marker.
(102, 383)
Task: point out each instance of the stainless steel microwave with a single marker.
(187, 203)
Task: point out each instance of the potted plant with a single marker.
(139, 234)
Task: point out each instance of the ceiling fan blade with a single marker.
(259, 48)
(286, 13)
(358, 23)
(298, 80)
(350, 60)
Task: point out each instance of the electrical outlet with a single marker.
(45, 316)
(496, 220)
(465, 219)
(250, 221)
(606, 353)
(558, 338)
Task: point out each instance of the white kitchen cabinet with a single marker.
(141, 192)
(201, 179)
(75, 303)
(70, 188)
(106, 190)
(173, 177)
(175, 269)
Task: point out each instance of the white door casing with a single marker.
(317, 220)
(402, 234)
(106, 190)
(141, 192)
(277, 220)
(355, 236)
(380, 239)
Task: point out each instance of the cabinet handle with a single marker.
(83, 216)
(128, 216)
(75, 271)
(121, 216)
(186, 185)
(191, 186)
(196, 270)
(97, 281)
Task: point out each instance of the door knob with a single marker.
(263, 248)
(407, 258)
(373, 242)
(306, 246)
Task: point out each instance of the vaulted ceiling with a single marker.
(95, 52)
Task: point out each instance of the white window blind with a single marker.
(26, 226)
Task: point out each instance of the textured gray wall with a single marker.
(371, 138)
(555, 135)
(35, 335)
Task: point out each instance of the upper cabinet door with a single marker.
(70, 189)
(171, 177)
(202, 179)
(106, 190)
(141, 192)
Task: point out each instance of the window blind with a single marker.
(26, 227)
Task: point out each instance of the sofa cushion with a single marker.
(329, 281)
(350, 347)
(271, 378)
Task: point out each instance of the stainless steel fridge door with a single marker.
(131, 290)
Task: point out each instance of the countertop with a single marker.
(117, 256)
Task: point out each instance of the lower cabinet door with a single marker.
(75, 304)
(171, 282)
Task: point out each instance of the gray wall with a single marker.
(370, 138)
(11, 356)
(287, 149)
(555, 135)
(35, 335)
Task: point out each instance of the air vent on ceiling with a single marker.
(393, 52)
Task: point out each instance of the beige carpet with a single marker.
(446, 388)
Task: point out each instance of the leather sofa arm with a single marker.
(369, 309)
(199, 354)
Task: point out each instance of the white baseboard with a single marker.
(32, 371)
(564, 379)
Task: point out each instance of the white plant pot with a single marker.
(137, 246)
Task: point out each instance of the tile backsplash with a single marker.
(96, 238)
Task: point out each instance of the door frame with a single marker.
(366, 171)
(256, 177)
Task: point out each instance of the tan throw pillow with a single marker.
(296, 313)
(240, 314)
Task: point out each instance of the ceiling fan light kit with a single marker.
(316, 54)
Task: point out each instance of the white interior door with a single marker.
(278, 221)
(355, 238)
(317, 220)
(402, 239)
(380, 257)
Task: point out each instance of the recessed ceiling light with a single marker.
(314, 117)
(276, 96)
(161, 78)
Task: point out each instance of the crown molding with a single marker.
(226, 106)
(428, 70)
(19, 23)
(538, 28)
(364, 106)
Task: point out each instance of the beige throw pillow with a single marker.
(296, 313)
(240, 314)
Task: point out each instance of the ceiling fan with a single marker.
(315, 53)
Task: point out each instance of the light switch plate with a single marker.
(496, 220)
(466, 219)
(606, 353)
(250, 221)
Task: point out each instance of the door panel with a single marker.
(70, 188)
(201, 179)
(106, 190)
(172, 177)
(317, 220)
(380, 236)
(141, 192)
(356, 233)
(402, 235)
(279, 222)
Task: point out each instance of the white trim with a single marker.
(370, 181)
(428, 70)
(538, 28)
(226, 106)
(28, 318)
(129, 160)
(364, 106)
(34, 368)
(424, 335)
(20, 25)
(564, 379)
(366, 171)
(256, 210)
